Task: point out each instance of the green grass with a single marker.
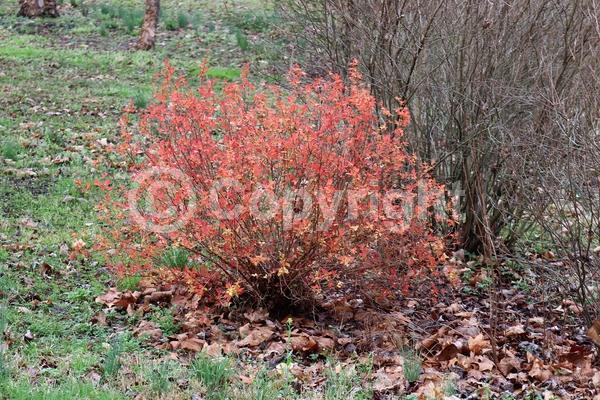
(345, 382)
(23, 390)
(112, 360)
(65, 82)
(242, 41)
(182, 20)
(129, 283)
(165, 320)
(176, 258)
(4, 369)
(412, 367)
(10, 150)
(214, 374)
(3, 255)
(229, 74)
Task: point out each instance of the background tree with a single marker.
(38, 8)
(148, 34)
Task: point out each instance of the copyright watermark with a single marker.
(165, 200)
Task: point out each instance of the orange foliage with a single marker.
(278, 194)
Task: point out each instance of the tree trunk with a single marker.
(38, 8)
(148, 35)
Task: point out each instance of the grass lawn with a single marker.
(65, 82)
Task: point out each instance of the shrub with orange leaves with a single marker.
(280, 194)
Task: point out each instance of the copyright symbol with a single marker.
(163, 200)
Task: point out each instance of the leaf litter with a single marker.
(534, 350)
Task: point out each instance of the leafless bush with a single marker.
(564, 200)
(481, 80)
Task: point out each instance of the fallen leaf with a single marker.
(516, 330)
(448, 352)
(485, 364)
(325, 343)
(28, 336)
(509, 364)
(478, 344)
(214, 349)
(148, 328)
(109, 298)
(159, 297)
(594, 332)
(536, 321)
(304, 343)
(539, 371)
(192, 344)
(389, 379)
(255, 337)
(99, 318)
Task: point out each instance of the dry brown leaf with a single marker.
(256, 336)
(509, 364)
(257, 315)
(539, 371)
(516, 330)
(159, 297)
(478, 344)
(448, 352)
(389, 379)
(304, 343)
(325, 343)
(213, 349)
(536, 321)
(192, 344)
(109, 298)
(148, 328)
(594, 332)
(99, 318)
(485, 364)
